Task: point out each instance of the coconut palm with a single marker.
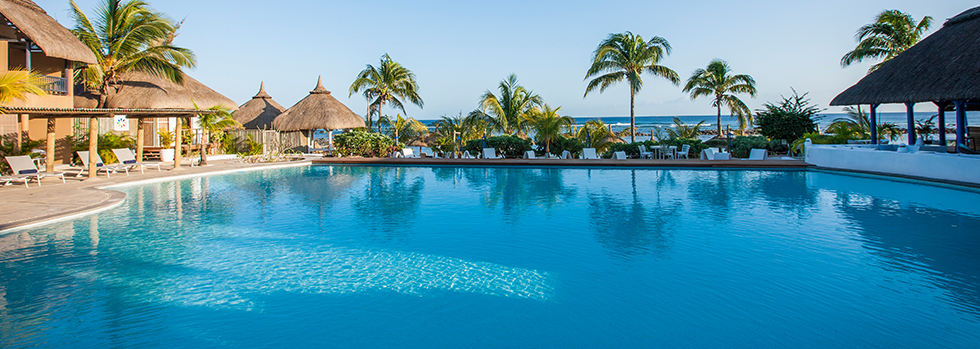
(857, 122)
(469, 127)
(403, 130)
(892, 33)
(594, 134)
(18, 84)
(509, 111)
(388, 83)
(214, 122)
(547, 125)
(716, 82)
(627, 56)
(128, 36)
(682, 130)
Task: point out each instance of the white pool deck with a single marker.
(943, 167)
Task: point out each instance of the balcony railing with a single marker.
(54, 85)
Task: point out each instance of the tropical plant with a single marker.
(472, 126)
(626, 56)
(682, 130)
(716, 82)
(856, 119)
(788, 119)
(742, 146)
(594, 134)
(388, 83)
(509, 111)
(889, 130)
(18, 84)
(925, 127)
(508, 145)
(891, 33)
(214, 122)
(403, 130)
(128, 36)
(166, 138)
(106, 142)
(366, 144)
(548, 125)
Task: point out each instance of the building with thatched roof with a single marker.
(943, 68)
(258, 112)
(318, 110)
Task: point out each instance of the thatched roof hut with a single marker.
(258, 112)
(144, 91)
(317, 110)
(943, 67)
(45, 32)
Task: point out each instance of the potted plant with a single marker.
(167, 142)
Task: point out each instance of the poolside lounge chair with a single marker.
(100, 166)
(644, 153)
(566, 154)
(619, 155)
(409, 153)
(684, 151)
(7, 179)
(530, 155)
(127, 157)
(758, 154)
(491, 153)
(588, 153)
(24, 166)
(466, 155)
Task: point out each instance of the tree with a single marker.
(548, 125)
(681, 130)
(857, 122)
(403, 130)
(128, 36)
(213, 122)
(468, 127)
(386, 84)
(716, 82)
(509, 111)
(627, 56)
(891, 33)
(18, 84)
(788, 119)
(594, 134)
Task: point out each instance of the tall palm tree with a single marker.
(385, 84)
(18, 84)
(547, 125)
(509, 111)
(627, 56)
(403, 130)
(891, 33)
(716, 82)
(594, 134)
(210, 123)
(684, 131)
(128, 36)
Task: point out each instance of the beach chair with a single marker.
(708, 154)
(127, 157)
(530, 155)
(491, 153)
(758, 154)
(685, 149)
(409, 153)
(723, 156)
(566, 154)
(619, 155)
(589, 153)
(24, 166)
(100, 166)
(644, 154)
(466, 155)
(7, 179)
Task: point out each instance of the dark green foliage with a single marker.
(633, 150)
(817, 138)
(7, 149)
(789, 119)
(742, 146)
(560, 144)
(717, 142)
(508, 146)
(107, 142)
(366, 144)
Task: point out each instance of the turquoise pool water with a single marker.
(331, 256)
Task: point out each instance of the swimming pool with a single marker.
(360, 256)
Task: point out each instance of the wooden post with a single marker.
(24, 132)
(177, 147)
(93, 146)
(960, 124)
(140, 138)
(942, 122)
(874, 123)
(909, 116)
(49, 156)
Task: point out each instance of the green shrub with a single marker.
(742, 146)
(106, 143)
(789, 119)
(817, 138)
(366, 144)
(249, 147)
(506, 145)
(560, 144)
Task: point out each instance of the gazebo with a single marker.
(258, 112)
(318, 110)
(943, 68)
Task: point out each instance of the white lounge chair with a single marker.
(723, 156)
(566, 154)
(589, 153)
(684, 151)
(100, 166)
(7, 179)
(758, 154)
(491, 153)
(409, 153)
(127, 157)
(619, 155)
(644, 153)
(24, 166)
(530, 155)
(466, 155)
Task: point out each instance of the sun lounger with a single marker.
(491, 153)
(24, 166)
(409, 153)
(7, 179)
(758, 154)
(127, 157)
(466, 155)
(530, 155)
(589, 153)
(619, 155)
(100, 166)
(566, 154)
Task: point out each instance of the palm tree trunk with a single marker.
(379, 117)
(718, 105)
(632, 117)
(204, 148)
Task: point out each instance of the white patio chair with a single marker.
(683, 152)
(491, 153)
(127, 157)
(100, 166)
(644, 153)
(758, 154)
(670, 152)
(619, 155)
(24, 166)
(589, 153)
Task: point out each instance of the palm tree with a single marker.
(628, 56)
(18, 84)
(892, 33)
(469, 127)
(210, 123)
(716, 82)
(403, 130)
(594, 134)
(386, 84)
(681, 130)
(128, 36)
(857, 121)
(547, 125)
(508, 111)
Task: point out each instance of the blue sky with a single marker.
(460, 49)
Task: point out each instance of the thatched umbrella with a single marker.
(44, 31)
(612, 140)
(943, 68)
(318, 110)
(258, 112)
